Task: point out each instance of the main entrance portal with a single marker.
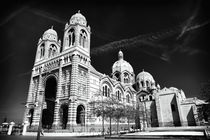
(50, 96)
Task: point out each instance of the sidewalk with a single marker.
(161, 135)
(64, 134)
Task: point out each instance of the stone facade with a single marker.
(63, 82)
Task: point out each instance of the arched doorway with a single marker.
(50, 96)
(80, 115)
(31, 113)
(64, 115)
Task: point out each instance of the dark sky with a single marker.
(169, 39)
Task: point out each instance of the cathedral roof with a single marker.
(145, 76)
(78, 18)
(121, 65)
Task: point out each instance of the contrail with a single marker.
(197, 26)
(189, 21)
(144, 41)
(47, 15)
(13, 14)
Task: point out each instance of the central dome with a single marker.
(78, 18)
(121, 65)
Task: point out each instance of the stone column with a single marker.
(56, 121)
(29, 98)
(87, 110)
(67, 83)
(37, 110)
(73, 92)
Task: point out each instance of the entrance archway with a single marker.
(31, 113)
(50, 96)
(64, 115)
(80, 115)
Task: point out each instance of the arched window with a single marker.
(42, 50)
(80, 39)
(83, 38)
(142, 83)
(50, 52)
(84, 41)
(71, 37)
(118, 95)
(106, 91)
(53, 52)
(126, 78)
(80, 119)
(128, 98)
(147, 83)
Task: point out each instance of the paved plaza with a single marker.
(4, 137)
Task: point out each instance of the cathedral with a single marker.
(63, 82)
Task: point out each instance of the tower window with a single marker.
(83, 38)
(126, 78)
(147, 83)
(42, 50)
(71, 37)
(142, 83)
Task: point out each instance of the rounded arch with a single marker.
(106, 89)
(83, 38)
(71, 34)
(119, 93)
(80, 118)
(42, 50)
(31, 115)
(50, 96)
(49, 76)
(126, 77)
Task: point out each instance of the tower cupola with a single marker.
(78, 18)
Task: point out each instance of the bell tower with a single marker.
(76, 43)
(77, 35)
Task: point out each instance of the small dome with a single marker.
(51, 31)
(121, 65)
(145, 76)
(50, 34)
(78, 18)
